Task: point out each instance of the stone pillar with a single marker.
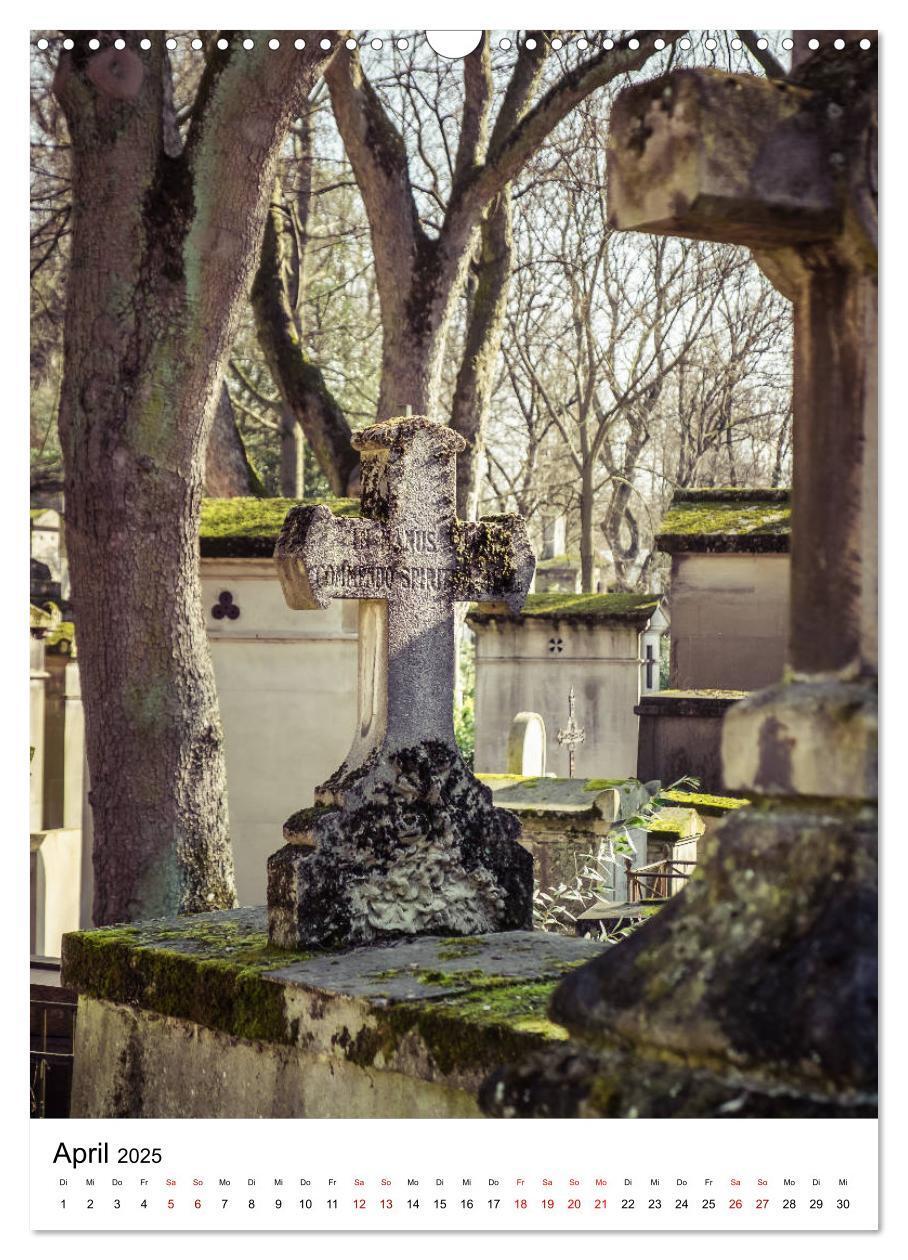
(64, 744)
(37, 683)
(754, 991)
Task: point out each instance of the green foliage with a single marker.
(665, 662)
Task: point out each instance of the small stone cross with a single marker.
(408, 559)
(571, 735)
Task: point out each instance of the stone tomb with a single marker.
(200, 1016)
(681, 735)
(529, 660)
(405, 839)
(59, 867)
(729, 623)
(729, 586)
(286, 684)
(566, 823)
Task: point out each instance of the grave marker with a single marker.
(407, 841)
(571, 735)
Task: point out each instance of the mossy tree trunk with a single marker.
(165, 234)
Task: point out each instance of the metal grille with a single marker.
(52, 1027)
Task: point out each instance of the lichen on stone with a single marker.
(412, 844)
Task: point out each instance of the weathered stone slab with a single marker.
(406, 840)
(200, 1016)
(433, 966)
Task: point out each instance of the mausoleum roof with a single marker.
(612, 799)
(248, 527)
(727, 519)
(616, 606)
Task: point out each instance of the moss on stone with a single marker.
(305, 819)
(702, 802)
(488, 777)
(623, 606)
(726, 519)
(484, 553)
(459, 947)
(601, 785)
(211, 974)
(468, 1032)
(250, 526)
(40, 620)
(62, 639)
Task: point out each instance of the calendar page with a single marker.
(453, 628)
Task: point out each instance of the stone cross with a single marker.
(788, 168)
(402, 838)
(407, 560)
(571, 735)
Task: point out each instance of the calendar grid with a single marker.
(621, 1175)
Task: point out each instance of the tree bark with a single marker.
(485, 321)
(164, 240)
(416, 276)
(299, 380)
(228, 472)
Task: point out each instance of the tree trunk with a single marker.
(586, 528)
(228, 472)
(473, 391)
(300, 381)
(164, 237)
(293, 458)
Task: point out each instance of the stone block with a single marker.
(717, 156)
(811, 738)
(730, 1000)
(199, 1016)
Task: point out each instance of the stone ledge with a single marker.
(440, 1012)
(703, 703)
